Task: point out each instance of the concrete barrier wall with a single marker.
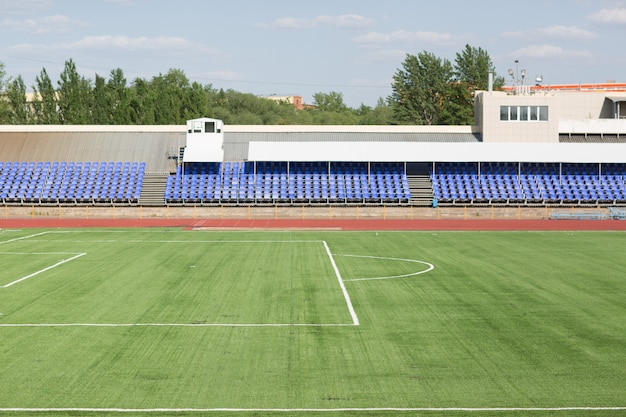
(281, 212)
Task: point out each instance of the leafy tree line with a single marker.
(432, 91)
(426, 90)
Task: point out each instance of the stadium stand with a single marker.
(559, 157)
(295, 183)
(541, 183)
(71, 182)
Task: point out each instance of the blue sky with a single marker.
(287, 47)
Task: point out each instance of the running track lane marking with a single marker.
(355, 319)
(307, 410)
(43, 270)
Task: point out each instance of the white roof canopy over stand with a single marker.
(438, 152)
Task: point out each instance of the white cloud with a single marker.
(346, 21)
(8, 7)
(557, 31)
(122, 2)
(385, 55)
(162, 44)
(617, 15)
(551, 51)
(405, 36)
(42, 25)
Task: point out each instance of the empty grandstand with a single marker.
(532, 146)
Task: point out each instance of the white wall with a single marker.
(437, 152)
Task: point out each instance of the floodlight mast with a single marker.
(518, 82)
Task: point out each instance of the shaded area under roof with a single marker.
(156, 149)
(350, 137)
(237, 144)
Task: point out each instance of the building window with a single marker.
(504, 113)
(523, 113)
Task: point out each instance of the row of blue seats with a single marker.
(67, 182)
(296, 182)
(551, 183)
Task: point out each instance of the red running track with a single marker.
(321, 224)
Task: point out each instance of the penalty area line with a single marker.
(346, 296)
(23, 237)
(43, 270)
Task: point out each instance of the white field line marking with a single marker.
(43, 270)
(355, 319)
(23, 237)
(307, 410)
(176, 241)
(37, 253)
(430, 268)
(175, 325)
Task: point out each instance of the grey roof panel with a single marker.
(230, 137)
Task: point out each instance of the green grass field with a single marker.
(162, 322)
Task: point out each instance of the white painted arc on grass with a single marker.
(430, 268)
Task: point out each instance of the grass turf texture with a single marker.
(505, 319)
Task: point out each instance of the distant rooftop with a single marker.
(608, 87)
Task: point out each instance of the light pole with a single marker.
(515, 75)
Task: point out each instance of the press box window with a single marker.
(523, 113)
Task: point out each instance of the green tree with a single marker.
(472, 66)
(171, 90)
(44, 100)
(4, 105)
(142, 103)
(329, 102)
(330, 109)
(117, 98)
(430, 90)
(420, 89)
(101, 113)
(471, 70)
(74, 96)
(19, 108)
(197, 102)
(379, 115)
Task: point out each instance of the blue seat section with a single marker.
(551, 183)
(282, 182)
(198, 182)
(71, 182)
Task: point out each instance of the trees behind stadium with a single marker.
(426, 90)
(431, 90)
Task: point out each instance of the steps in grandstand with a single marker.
(421, 190)
(153, 189)
(420, 184)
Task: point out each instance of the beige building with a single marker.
(563, 113)
(295, 101)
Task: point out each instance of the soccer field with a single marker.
(169, 322)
